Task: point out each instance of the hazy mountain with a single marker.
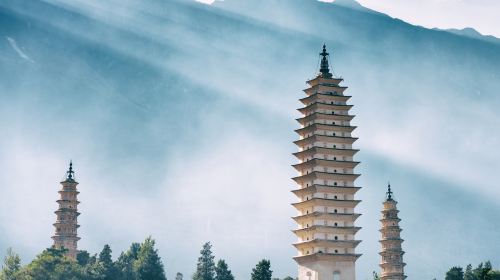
(179, 118)
(472, 33)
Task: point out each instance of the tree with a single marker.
(481, 272)
(494, 275)
(105, 257)
(288, 278)
(125, 263)
(179, 276)
(83, 257)
(51, 264)
(11, 265)
(455, 273)
(222, 271)
(109, 271)
(469, 274)
(205, 269)
(262, 271)
(375, 276)
(148, 265)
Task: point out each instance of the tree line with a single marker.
(140, 262)
(481, 272)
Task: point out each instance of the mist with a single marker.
(179, 119)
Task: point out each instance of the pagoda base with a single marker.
(321, 266)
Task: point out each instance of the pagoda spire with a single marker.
(389, 192)
(70, 173)
(325, 68)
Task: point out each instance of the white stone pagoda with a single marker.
(392, 264)
(326, 217)
(66, 224)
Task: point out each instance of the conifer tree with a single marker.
(148, 265)
(109, 272)
(469, 274)
(222, 271)
(105, 256)
(262, 271)
(125, 262)
(205, 269)
(11, 265)
(455, 273)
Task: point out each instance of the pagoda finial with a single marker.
(325, 68)
(70, 172)
(389, 191)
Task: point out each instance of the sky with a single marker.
(481, 15)
(179, 119)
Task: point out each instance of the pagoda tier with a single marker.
(326, 218)
(392, 264)
(66, 225)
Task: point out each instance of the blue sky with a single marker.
(179, 119)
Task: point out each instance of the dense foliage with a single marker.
(140, 262)
(481, 272)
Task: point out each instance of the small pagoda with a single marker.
(392, 264)
(66, 224)
(326, 217)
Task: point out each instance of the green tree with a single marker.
(125, 263)
(375, 276)
(178, 276)
(109, 271)
(494, 275)
(105, 257)
(222, 271)
(11, 265)
(83, 257)
(288, 278)
(205, 269)
(51, 264)
(262, 271)
(469, 274)
(481, 272)
(148, 265)
(455, 273)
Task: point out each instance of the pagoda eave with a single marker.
(325, 176)
(326, 163)
(315, 257)
(320, 80)
(326, 189)
(325, 202)
(327, 243)
(325, 106)
(325, 138)
(327, 229)
(350, 217)
(335, 97)
(326, 127)
(327, 151)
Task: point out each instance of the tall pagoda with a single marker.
(67, 214)
(392, 264)
(326, 218)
